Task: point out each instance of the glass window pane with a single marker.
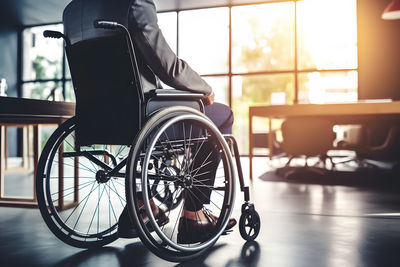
(43, 90)
(253, 90)
(69, 92)
(220, 87)
(263, 37)
(67, 70)
(42, 57)
(328, 87)
(327, 32)
(168, 24)
(204, 39)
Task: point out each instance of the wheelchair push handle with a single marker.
(103, 24)
(53, 34)
(56, 35)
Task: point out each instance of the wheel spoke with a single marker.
(73, 187)
(196, 212)
(72, 192)
(95, 169)
(173, 150)
(197, 151)
(76, 221)
(97, 206)
(204, 185)
(190, 140)
(119, 197)
(207, 197)
(179, 213)
(201, 174)
(109, 203)
(202, 164)
(169, 208)
(72, 177)
(80, 214)
(85, 169)
(118, 182)
(78, 205)
(251, 230)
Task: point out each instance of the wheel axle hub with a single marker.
(102, 177)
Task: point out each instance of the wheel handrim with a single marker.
(229, 196)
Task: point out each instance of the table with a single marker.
(19, 112)
(347, 113)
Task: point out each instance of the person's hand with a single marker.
(209, 99)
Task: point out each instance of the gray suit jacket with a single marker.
(155, 57)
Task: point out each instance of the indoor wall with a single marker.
(378, 52)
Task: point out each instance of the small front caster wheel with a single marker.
(249, 225)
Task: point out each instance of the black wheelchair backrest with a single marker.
(110, 103)
(108, 107)
(79, 15)
(108, 98)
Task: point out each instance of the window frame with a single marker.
(296, 70)
(230, 74)
(63, 80)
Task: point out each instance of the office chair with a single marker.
(306, 137)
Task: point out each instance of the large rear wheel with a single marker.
(77, 198)
(176, 150)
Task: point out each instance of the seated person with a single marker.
(157, 62)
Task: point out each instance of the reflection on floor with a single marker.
(302, 225)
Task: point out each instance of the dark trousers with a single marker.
(206, 161)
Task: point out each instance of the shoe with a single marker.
(127, 230)
(125, 227)
(160, 216)
(195, 231)
(231, 223)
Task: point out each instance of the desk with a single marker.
(18, 112)
(348, 113)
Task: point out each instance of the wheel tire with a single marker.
(249, 225)
(158, 248)
(60, 222)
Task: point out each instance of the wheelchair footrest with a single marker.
(227, 232)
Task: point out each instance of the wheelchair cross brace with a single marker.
(114, 172)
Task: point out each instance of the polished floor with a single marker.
(302, 225)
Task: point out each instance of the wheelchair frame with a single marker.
(249, 218)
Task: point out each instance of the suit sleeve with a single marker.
(150, 41)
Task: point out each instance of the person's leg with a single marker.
(194, 224)
(206, 161)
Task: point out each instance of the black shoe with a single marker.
(127, 230)
(125, 227)
(195, 231)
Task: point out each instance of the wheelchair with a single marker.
(127, 148)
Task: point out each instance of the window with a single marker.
(204, 43)
(43, 74)
(263, 37)
(327, 42)
(168, 25)
(294, 51)
(273, 53)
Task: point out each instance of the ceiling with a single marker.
(30, 12)
(163, 5)
(16, 13)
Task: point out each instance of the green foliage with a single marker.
(41, 66)
(271, 49)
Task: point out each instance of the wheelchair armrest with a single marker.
(173, 94)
